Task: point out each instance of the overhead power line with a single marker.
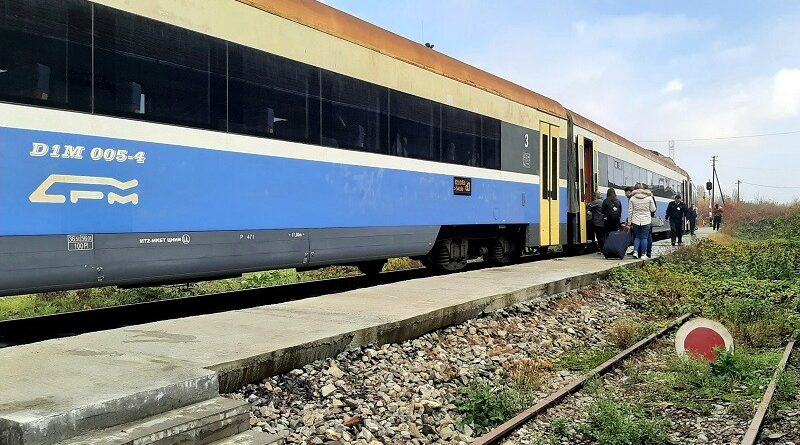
(719, 138)
(770, 186)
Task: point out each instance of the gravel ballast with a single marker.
(407, 393)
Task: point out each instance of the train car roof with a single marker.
(604, 132)
(339, 24)
(331, 21)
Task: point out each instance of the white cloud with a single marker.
(786, 93)
(673, 86)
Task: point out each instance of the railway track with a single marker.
(496, 435)
(753, 431)
(21, 331)
(750, 437)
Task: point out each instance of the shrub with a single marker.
(624, 333)
(616, 423)
(484, 407)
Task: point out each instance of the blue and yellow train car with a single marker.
(165, 141)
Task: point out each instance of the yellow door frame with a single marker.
(549, 218)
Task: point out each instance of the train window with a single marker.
(544, 179)
(602, 169)
(272, 96)
(45, 58)
(660, 185)
(628, 173)
(461, 136)
(146, 69)
(490, 143)
(615, 173)
(643, 176)
(412, 130)
(353, 113)
(649, 180)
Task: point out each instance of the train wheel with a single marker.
(502, 252)
(442, 260)
(371, 268)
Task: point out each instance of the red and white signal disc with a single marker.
(700, 337)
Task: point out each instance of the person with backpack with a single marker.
(676, 211)
(612, 211)
(598, 222)
(640, 209)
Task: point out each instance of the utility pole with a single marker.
(738, 195)
(713, 175)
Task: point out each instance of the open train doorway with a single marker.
(588, 171)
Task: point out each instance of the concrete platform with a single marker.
(58, 389)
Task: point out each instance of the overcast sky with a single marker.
(647, 70)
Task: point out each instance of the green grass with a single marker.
(585, 359)
(483, 406)
(751, 286)
(68, 301)
(737, 379)
(610, 422)
(617, 423)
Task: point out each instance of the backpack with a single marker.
(614, 210)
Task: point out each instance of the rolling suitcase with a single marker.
(616, 244)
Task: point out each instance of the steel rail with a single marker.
(753, 431)
(497, 434)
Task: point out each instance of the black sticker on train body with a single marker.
(462, 186)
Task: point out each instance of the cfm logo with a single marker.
(41, 195)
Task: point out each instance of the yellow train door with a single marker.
(550, 218)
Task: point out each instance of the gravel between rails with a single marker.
(405, 393)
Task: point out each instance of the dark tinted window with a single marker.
(272, 96)
(353, 114)
(413, 130)
(149, 70)
(461, 136)
(490, 143)
(45, 53)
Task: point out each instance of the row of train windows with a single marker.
(120, 64)
(619, 174)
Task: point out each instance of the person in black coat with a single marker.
(597, 220)
(612, 211)
(692, 219)
(676, 211)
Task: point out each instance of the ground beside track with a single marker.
(411, 392)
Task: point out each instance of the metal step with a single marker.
(251, 437)
(198, 424)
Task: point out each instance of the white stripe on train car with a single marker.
(44, 119)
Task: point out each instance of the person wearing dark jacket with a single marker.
(598, 223)
(612, 211)
(717, 217)
(676, 211)
(692, 219)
